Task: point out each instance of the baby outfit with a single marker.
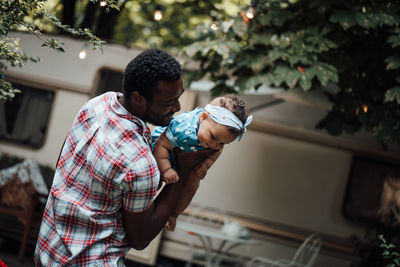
(182, 131)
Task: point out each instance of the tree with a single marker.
(19, 15)
(348, 49)
(122, 21)
(134, 24)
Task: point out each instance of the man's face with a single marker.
(165, 103)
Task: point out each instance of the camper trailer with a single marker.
(283, 182)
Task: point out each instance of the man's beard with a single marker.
(158, 121)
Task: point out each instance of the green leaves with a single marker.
(393, 62)
(394, 39)
(326, 73)
(344, 17)
(253, 81)
(368, 20)
(393, 94)
(314, 44)
(239, 27)
(391, 257)
(14, 15)
(367, 17)
(7, 91)
(221, 47)
(54, 44)
(284, 74)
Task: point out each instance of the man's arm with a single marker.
(207, 163)
(191, 185)
(144, 226)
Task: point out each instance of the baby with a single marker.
(219, 123)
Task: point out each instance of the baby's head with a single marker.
(217, 126)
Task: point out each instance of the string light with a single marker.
(244, 17)
(250, 13)
(103, 3)
(214, 26)
(158, 15)
(365, 108)
(83, 52)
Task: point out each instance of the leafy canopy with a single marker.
(350, 47)
(21, 15)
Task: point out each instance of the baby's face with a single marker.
(213, 135)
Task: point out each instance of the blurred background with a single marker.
(321, 158)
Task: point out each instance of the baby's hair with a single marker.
(237, 106)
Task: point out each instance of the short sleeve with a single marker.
(182, 132)
(140, 185)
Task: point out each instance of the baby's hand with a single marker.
(170, 176)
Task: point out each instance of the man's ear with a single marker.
(137, 98)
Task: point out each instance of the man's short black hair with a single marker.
(144, 72)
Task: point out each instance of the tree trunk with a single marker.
(90, 13)
(106, 22)
(68, 12)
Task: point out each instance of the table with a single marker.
(207, 235)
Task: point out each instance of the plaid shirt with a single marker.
(106, 165)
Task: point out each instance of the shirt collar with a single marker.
(117, 107)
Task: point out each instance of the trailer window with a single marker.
(109, 80)
(24, 119)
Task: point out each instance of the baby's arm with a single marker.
(162, 147)
(190, 187)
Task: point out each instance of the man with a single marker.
(103, 195)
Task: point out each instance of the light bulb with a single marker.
(250, 13)
(82, 54)
(365, 108)
(103, 3)
(214, 26)
(158, 15)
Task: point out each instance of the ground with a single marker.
(9, 255)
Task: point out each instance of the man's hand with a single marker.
(198, 162)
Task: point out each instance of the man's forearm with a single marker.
(189, 190)
(166, 201)
(142, 228)
(168, 198)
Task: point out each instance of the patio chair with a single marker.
(213, 219)
(21, 187)
(305, 255)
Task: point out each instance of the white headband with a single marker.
(226, 117)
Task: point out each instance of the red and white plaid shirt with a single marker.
(106, 165)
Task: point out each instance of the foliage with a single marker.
(22, 15)
(374, 250)
(352, 47)
(173, 31)
(391, 257)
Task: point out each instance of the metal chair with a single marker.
(207, 254)
(305, 255)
